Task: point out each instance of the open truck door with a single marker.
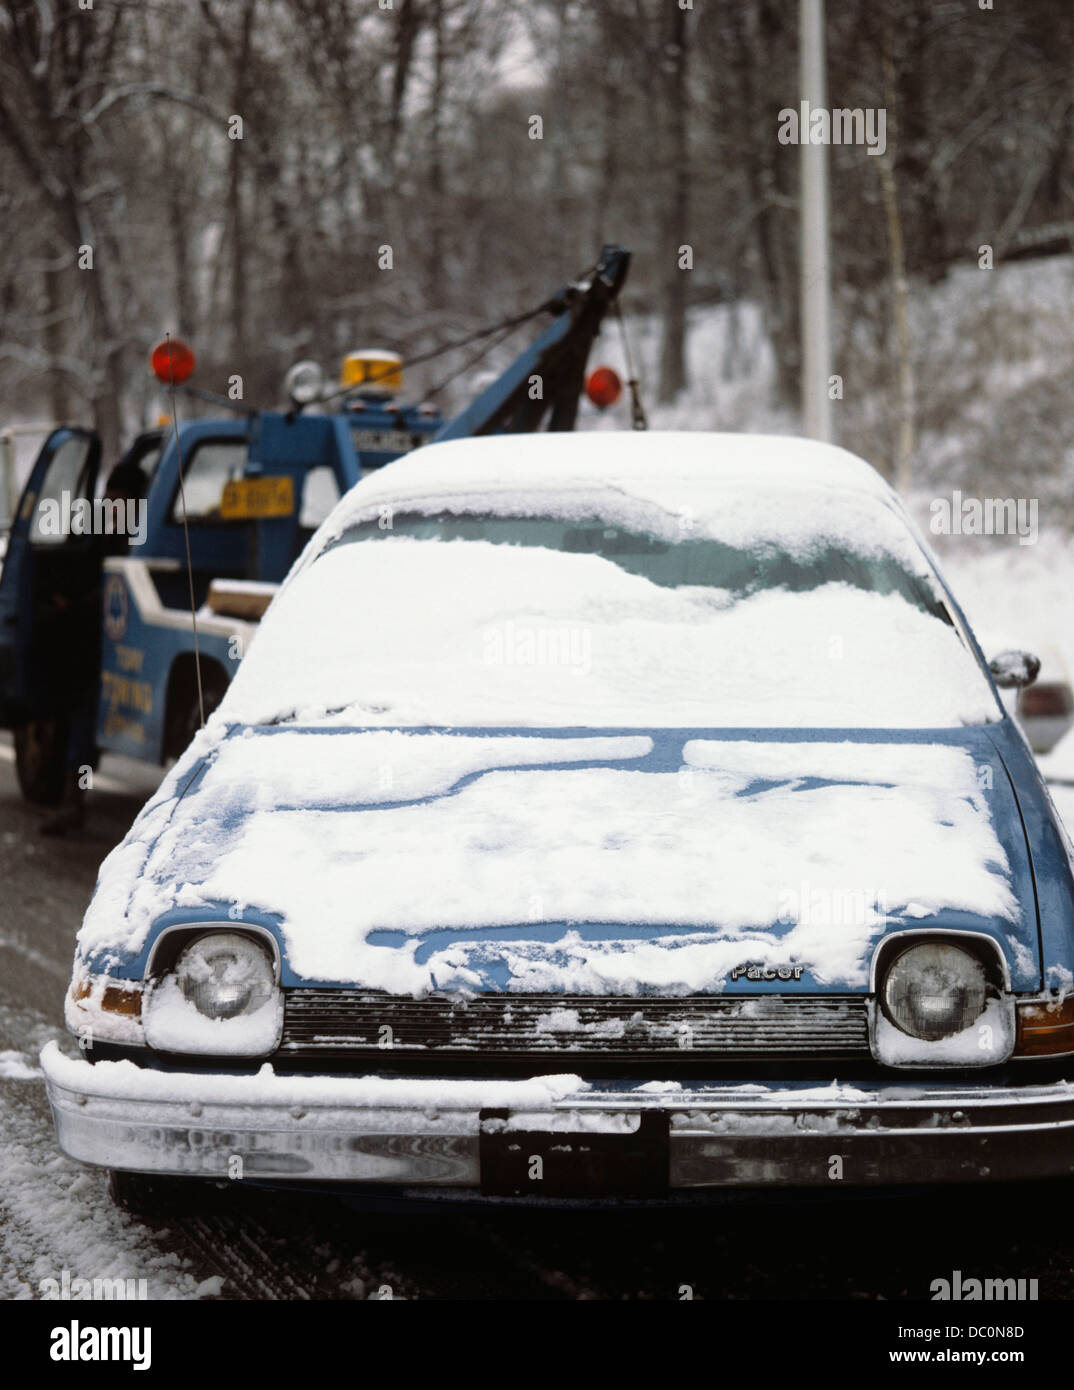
(50, 610)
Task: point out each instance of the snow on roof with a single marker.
(553, 458)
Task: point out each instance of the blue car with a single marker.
(594, 818)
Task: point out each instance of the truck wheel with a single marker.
(150, 1194)
(212, 693)
(183, 718)
(40, 754)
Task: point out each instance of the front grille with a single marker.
(364, 1023)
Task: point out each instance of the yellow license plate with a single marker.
(255, 499)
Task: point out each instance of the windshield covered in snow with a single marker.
(687, 561)
(820, 611)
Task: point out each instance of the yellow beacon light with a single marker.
(373, 367)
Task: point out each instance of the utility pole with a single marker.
(815, 256)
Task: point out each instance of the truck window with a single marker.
(66, 474)
(213, 463)
(145, 457)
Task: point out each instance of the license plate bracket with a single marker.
(567, 1160)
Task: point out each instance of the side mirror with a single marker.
(1014, 670)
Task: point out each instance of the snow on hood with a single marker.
(407, 861)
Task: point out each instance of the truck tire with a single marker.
(40, 756)
(212, 693)
(183, 719)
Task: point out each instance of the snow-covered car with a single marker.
(585, 806)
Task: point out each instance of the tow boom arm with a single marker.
(558, 358)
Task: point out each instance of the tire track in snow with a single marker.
(246, 1258)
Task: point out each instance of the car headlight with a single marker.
(224, 975)
(220, 997)
(935, 990)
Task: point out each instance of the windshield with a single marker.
(738, 570)
(519, 617)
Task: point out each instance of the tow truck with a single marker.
(138, 632)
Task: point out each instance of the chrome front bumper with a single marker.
(427, 1133)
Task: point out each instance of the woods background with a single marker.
(410, 127)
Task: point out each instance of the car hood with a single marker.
(574, 861)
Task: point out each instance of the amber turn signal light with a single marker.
(113, 1000)
(1045, 1029)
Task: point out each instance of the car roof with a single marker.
(542, 460)
(665, 467)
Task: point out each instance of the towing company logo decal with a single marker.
(116, 607)
(752, 971)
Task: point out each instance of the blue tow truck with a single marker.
(111, 599)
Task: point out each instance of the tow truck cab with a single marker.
(79, 608)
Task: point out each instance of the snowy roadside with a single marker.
(58, 1223)
(1058, 770)
(1020, 597)
(56, 1215)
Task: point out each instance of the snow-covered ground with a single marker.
(57, 1215)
